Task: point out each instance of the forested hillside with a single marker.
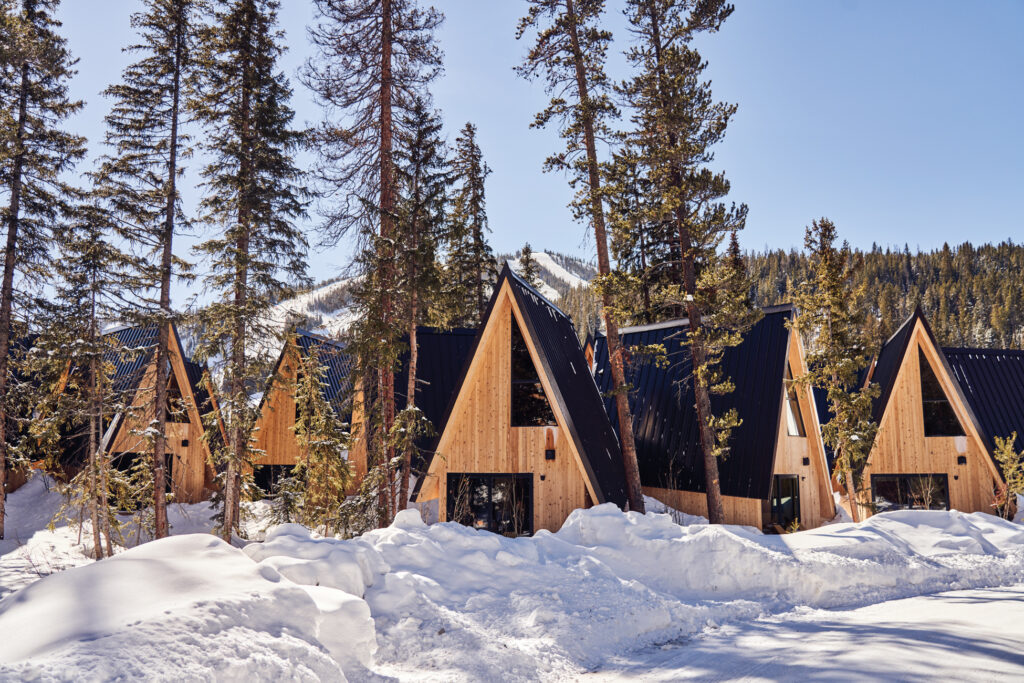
(970, 295)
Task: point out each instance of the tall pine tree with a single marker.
(254, 194)
(569, 53)
(35, 153)
(677, 122)
(374, 59)
(528, 268)
(138, 178)
(832, 314)
(470, 268)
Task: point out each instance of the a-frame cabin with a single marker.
(776, 474)
(440, 360)
(525, 440)
(134, 378)
(932, 451)
(275, 434)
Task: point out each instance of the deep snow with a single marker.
(449, 602)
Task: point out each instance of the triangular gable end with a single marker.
(917, 343)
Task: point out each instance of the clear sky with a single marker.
(901, 121)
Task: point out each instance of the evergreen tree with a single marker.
(528, 267)
(323, 439)
(254, 194)
(470, 265)
(1011, 464)
(423, 180)
(374, 58)
(569, 53)
(35, 153)
(138, 179)
(677, 122)
(831, 315)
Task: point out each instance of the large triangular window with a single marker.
(939, 417)
(530, 407)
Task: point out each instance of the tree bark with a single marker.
(10, 262)
(161, 407)
(410, 402)
(94, 492)
(387, 229)
(615, 356)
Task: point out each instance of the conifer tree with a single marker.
(470, 265)
(138, 179)
(677, 122)
(569, 53)
(374, 58)
(1011, 465)
(253, 192)
(322, 438)
(831, 315)
(423, 179)
(35, 153)
(528, 267)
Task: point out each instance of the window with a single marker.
(176, 411)
(268, 478)
(530, 407)
(794, 418)
(910, 492)
(785, 499)
(499, 503)
(939, 418)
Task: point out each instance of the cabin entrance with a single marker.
(499, 503)
(785, 500)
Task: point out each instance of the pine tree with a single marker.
(93, 279)
(831, 315)
(569, 53)
(677, 122)
(35, 153)
(470, 266)
(374, 58)
(423, 177)
(323, 439)
(254, 194)
(138, 179)
(1011, 464)
(528, 268)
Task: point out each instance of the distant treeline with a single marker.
(970, 295)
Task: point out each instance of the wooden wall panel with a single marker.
(274, 434)
(745, 511)
(902, 448)
(817, 505)
(479, 436)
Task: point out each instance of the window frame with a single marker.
(516, 383)
(490, 477)
(794, 414)
(899, 478)
(931, 420)
(774, 499)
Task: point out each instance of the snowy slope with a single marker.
(448, 602)
(550, 266)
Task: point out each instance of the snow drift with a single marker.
(450, 602)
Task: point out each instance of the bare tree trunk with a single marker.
(10, 261)
(615, 356)
(161, 406)
(387, 228)
(95, 492)
(410, 402)
(851, 494)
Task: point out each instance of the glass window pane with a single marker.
(530, 407)
(939, 417)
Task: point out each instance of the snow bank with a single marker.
(177, 607)
(456, 602)
(450, 602)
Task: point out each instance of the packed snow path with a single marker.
(970, 635)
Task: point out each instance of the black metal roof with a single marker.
(563, 363)
(337, 363)
(441, 357)
(887, 364)
(992, 381)
(664, 417)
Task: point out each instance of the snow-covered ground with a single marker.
(612, 593)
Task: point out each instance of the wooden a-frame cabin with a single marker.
(190, 474)
(525, 439)
(441, 356)
(776, 473)
(938, 414)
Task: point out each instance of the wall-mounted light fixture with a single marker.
(549, 454)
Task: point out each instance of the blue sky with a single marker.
(901, 121)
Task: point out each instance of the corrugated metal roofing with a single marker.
(338, 365)
(887, 365)
(665, 419)
(992, 381)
